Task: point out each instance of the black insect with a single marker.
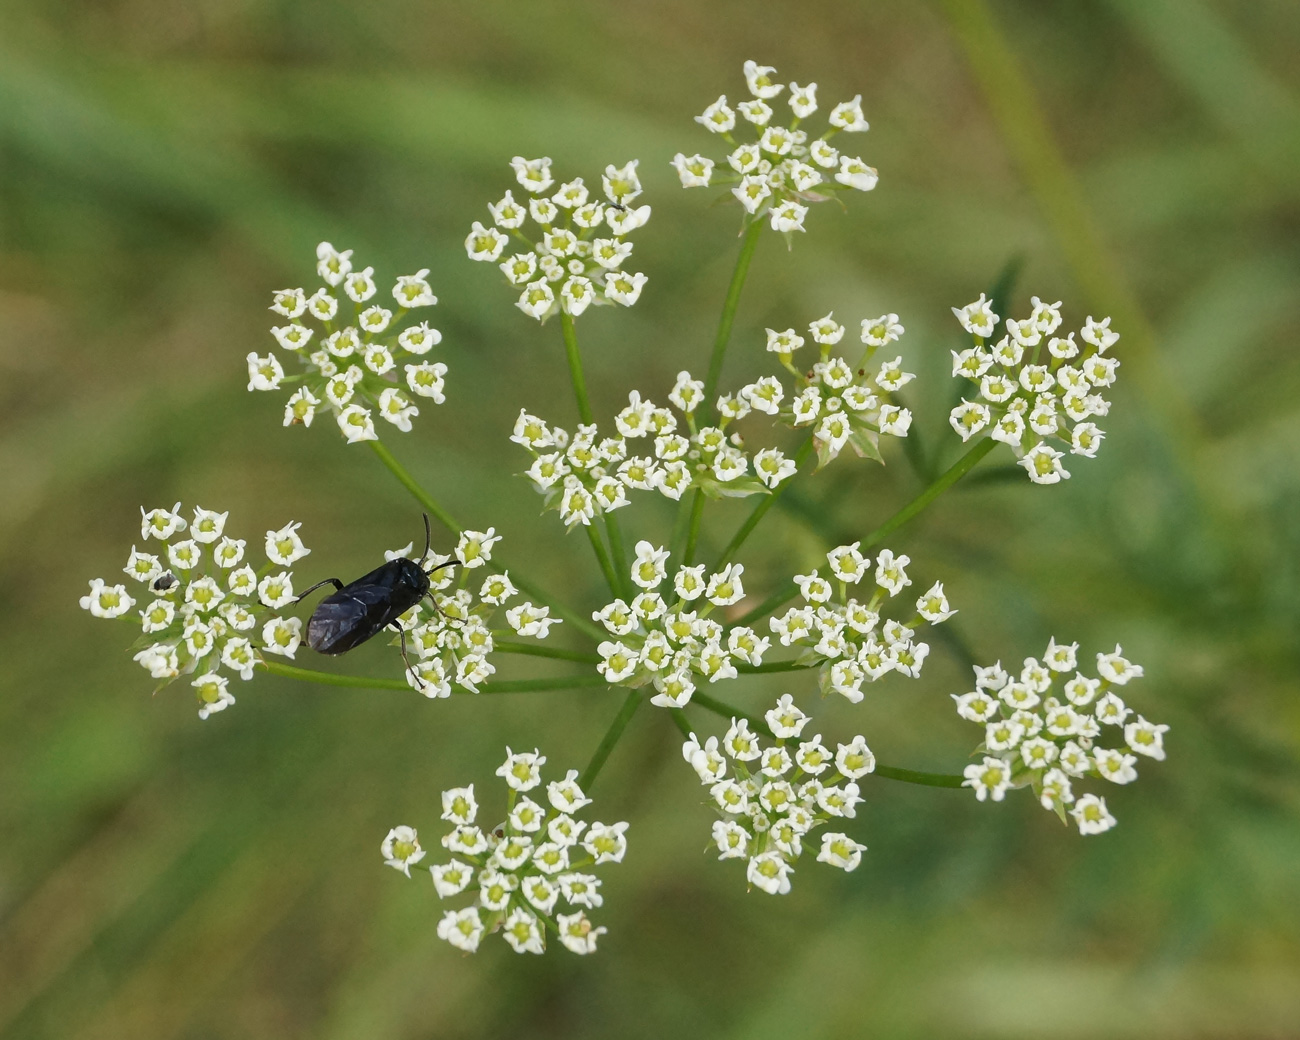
(362, 609)
(164, 581)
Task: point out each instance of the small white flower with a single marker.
(360, 285)
(462, 928)
(803, 100)
(759, 80)
(106, 601)
(1099, 334)
(577, 933)
(356, 424)
(848, 115)
(1043, 465)
(401, 848)
(284, 547)
(618, 662)
(282, 636)
(484, 243)
(451, 879)
(786, 720)
(533, 174)
(725, 587)
(276, 590)
(788, 216)
(1116, 668)
(214, 694)
(876, 332)
(565, 795)
(694, 171)
(606, 842)
(770, 872)
(624, 288)
(459, 805)
(854, 173)
(1091, 814)
(751, 192)
(264, 373)
(301, 407)
(537, 299)
(731, 839)
(826, 330)
(331, 265)
(977, 318)
(1146, 738)
(621, 184)
(522, 771)
(990, 778)
(839, 850)
(474, 549)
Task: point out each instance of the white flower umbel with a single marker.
(1035, 391)
(775, 171)
(355, 371)
(666, 637)
(524, 876)
(841, 403)
(583, 474)
(202, 612)
(847, 634)
(778, 793)
(1049, 742)
(576, 243)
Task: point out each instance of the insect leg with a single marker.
(338, 587)
(419, 680)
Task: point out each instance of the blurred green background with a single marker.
(164, 166)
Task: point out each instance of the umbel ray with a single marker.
(363, 608)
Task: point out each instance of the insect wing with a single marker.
(350, 617)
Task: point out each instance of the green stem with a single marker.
(612, 735)
(911, 776)
(946, 480)
(409, 482)
(601, 555)
(774, 666)
(747, 247)
(680, 721)
(761, 509)
(950, 476)
(907, 776)
(363, 682)
(618, 551)
(509, 646)
(448, 521)
(693, 530)
(617, 563)
(575, 366)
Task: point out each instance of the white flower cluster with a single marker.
(837, 399)
(582, 249)
(520, 870)
(669, 645)
(1028, 404)
(846, 635)
(586, 474)
(353, 370)
(452, 643)
(1034, 738)
(779, 794)
(776, 173)
(209, 609)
